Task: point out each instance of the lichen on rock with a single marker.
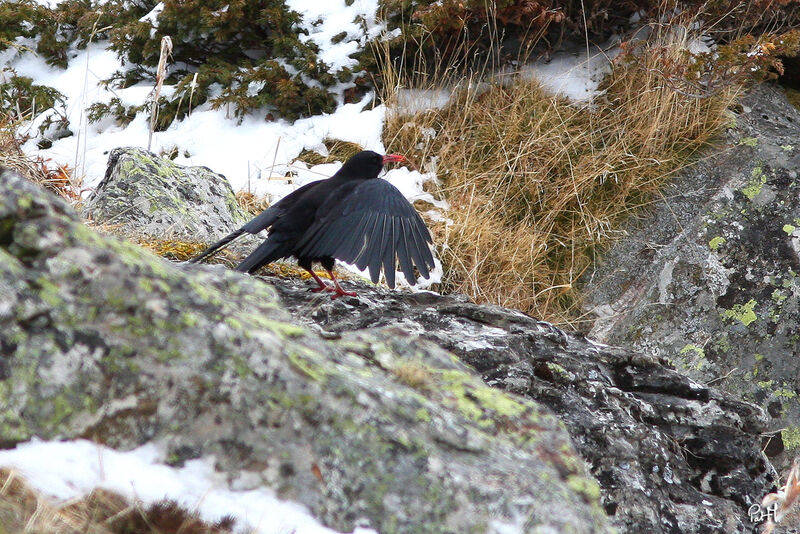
(146, 195)
(729, 220)
(102, 340)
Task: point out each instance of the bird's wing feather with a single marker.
(421, 252)
(353, 243)
(266, 218)
(390, 250)
(403, 253)
(372, 226)
(374, 254)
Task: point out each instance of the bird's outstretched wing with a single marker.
(265, 219)
(261, 222)
(373, 226)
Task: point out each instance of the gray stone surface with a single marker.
(671, 455)
(709, 278)
(102, 340)
(149, 196)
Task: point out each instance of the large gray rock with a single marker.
(102, 340)
(671, 455)
(709, 280)
(144, 195)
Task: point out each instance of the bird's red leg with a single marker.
(322, 285)
(339, 291)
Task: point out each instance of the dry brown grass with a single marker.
(251, 203)
(180, 250)
(57, 178)
(537, 184)
(101, 512)
(338, 150)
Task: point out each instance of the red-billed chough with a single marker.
(352, 216)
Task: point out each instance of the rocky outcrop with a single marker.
(670, 454)
(152, 197)
(378, 426)
(709, 279)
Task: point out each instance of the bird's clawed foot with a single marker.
(339, 292)
(322, 287)
(337, 289)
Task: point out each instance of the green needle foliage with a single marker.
(240, 55)
(247, 54)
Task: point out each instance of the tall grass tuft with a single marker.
(537, 184)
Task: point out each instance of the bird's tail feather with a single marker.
(267, 252)
(218, 245)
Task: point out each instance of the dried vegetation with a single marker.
(538, 185)
(22, 509)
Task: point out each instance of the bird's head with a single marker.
(367, 164)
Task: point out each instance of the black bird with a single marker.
(352, 216)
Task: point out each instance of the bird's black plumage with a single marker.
(352, 216)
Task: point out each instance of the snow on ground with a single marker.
(575, 75)
(71, 469)
(248, 154)
(416, 100)
(335, 17)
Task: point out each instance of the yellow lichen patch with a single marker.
(754, 186)
(287, 270)
(291, 270)
(791, 438)
(584, 486)
(484, 405)
(716, 242)
(171, 249)
(744, 313)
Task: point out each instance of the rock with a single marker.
(380, 427)
(671, 455)
(148, 196)
(709, 279)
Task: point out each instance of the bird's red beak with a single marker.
(394, 158)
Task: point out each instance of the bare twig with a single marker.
(166, 51)
(192, 87)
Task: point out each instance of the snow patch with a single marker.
(575, 75)
(72, 469)
(350, 25)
